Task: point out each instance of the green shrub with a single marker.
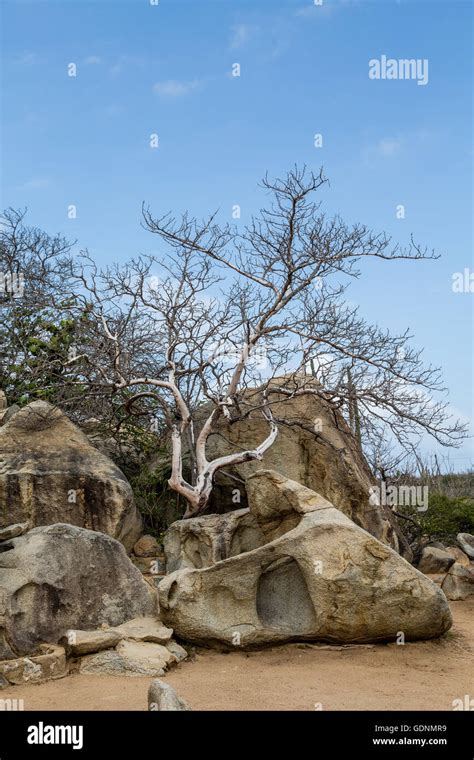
(445, 517)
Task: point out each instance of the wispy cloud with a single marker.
(388, 146)
(93, 60)
(36, 183)
(326, 8)
(240, 34)
(384, 149)
(29, 58)
(125, 63)
(173, 88)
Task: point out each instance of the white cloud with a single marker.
(240, 35)
(174, 89)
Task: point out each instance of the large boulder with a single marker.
(435, 560)
(50, 473)
(315, 447)
(293, 567)
(459, 582)
(61, 577)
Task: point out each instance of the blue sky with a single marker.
(166, 69)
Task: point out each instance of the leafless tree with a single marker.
(223, 314)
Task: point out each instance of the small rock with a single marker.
(130, 658)
(49, 664)
(109, 663)
(435, 561)
(436, 545)
(144, 650)
(146, 546)
(162, 696)
(12, 531)
(177, 650)
(3, 683)
(145, 629)
(459, 582)
(466, 542)
(85, 642)
(458, 554)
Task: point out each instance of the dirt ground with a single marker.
(415, 676)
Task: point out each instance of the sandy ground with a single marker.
(416, 676)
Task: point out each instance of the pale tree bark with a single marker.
(276, 287)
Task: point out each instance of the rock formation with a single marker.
(62, 577)
(315, 448)
(292, 567)
(450, 567)
(50, 473)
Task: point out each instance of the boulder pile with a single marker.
(451, 567)
(291, 567)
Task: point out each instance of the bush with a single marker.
(445, 517)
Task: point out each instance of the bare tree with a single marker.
(193, 325)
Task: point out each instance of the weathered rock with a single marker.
(144, 629)
(203, 541)
(61, 577)
(177, 650)
(330, 462)
(466, 542)
(130, 658)
(459, 556)
(51, 473)
(459, 582)
(7, 414)
(162, 697)
(49, 664)
(298, 568)
(154, 656)
(146, 546)
(3, 682)
(12, 531)
(435, 561)
(111, 663)
(79, 643)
